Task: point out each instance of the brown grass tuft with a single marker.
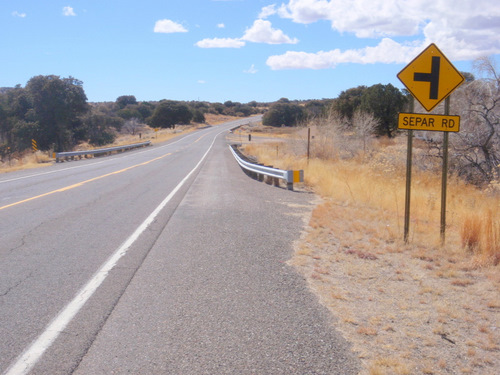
(368, 331)
(480, 234)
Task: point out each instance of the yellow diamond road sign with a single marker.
(430, 77)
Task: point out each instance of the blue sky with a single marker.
(239, 50)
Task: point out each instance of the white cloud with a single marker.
(365, 18)
(387, 52)
(168, 26)
(221, 25)
(17, 14)
(68, 11)
(268, 11)
(262, 32)
(220, 43)
(201, 82)
(251, 70)
(466, 29)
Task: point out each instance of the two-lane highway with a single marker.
(161, 260)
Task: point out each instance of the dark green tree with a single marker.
(349, 101)
(315, 108)
(145, 109)
(168, 113)
(217, 108)
(124, 100)
(283, 114)
(58, 107)
(3, 122)
(198, 116)
(384, 102)
(23, 132)
(100, 128)
(15, 106)
(130, 111)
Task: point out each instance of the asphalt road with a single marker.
(165, 260)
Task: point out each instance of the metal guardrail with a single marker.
(62, 156)
(261, 170)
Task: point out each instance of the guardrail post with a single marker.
(289, 180)
(294, 176)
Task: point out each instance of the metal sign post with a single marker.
(445, 175)
(308, 143)
(430, 78)
(409, 157)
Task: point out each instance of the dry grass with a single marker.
(27, 160)
(417, 308)
(473, 218)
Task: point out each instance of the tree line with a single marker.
(363, 112)
(55, 112)
(384, 102)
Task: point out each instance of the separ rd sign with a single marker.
(419, 121)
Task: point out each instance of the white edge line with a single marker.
(33, 353)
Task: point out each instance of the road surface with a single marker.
(164, 260)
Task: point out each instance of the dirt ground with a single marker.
(405, 310)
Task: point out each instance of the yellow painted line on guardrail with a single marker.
(298, 176)
(83, 182)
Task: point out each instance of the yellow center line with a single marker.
(83, 182)
(199, 138)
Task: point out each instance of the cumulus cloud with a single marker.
(387, 52)
(168, 26)
(268, 11)
(220, 43)
(466, 28)
(221, 25)
(365, 18)
(68, 11)
(262, 32)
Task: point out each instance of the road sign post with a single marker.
(444, 182)
(409, 156)
(430, 78)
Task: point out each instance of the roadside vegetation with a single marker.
(54, 112)
(421, 307)
(417, 308)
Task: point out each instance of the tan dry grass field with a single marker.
(417, 308)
